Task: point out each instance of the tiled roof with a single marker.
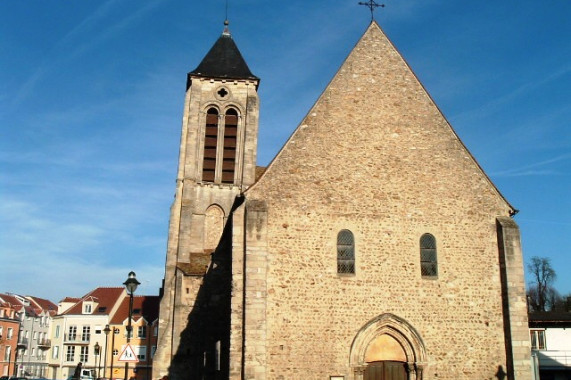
(32, 306)
(103, 296)
(11, 300)
(143, 307)
(70, 299)
(46, 305)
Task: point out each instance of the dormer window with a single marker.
(87, 308)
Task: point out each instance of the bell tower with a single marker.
(217, 162)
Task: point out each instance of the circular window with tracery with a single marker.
(222, 93)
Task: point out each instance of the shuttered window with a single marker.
(230, 139)
(210, 142)
(428, 259)
(345, 252)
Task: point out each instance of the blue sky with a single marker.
(91, 96)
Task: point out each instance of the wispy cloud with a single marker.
(540, 168)
(75, 43)
(76, 242)
(501, 102)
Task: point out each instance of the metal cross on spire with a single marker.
(226, 22)
(372, 4)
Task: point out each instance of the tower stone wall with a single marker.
(190, 244)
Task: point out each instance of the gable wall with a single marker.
(375, 156)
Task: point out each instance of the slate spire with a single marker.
(224, 60)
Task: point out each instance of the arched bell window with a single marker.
(230, 140)
(210, 143)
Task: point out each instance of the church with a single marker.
(372, 247)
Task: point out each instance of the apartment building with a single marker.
(9, 328)
(143, 339)
(32, 316)
(93, 330)
(78, 330)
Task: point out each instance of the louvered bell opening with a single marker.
(209, 164)
(231, 119)
(228, 165)
(210, 153)
(228, 177)
(208, 175)
(229, 142)
(231, 130)
(211, 130)
(229, 154)
(210, 142)
(212, 117)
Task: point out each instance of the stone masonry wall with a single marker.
(376, 156)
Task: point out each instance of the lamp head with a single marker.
(131, 283)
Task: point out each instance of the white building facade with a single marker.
(550, 335)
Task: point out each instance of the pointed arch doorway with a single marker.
(385, 359)
(385, 370)
(387, 348)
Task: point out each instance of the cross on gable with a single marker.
(372, 5)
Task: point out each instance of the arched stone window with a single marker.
(230, 140)
(210, 142)
(345, 252)
(213, 227)
(428, 259)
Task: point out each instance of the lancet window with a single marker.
(345, 252)
(428, 259)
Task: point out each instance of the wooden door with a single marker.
(385, 370)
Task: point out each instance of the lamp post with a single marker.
(115, 331)
(106, 330)
(131, 285)
(148, 353)
(97, 349)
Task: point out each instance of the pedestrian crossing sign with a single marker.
(128, 355)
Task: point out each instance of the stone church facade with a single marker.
(373, 246)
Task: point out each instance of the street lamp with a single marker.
(115, 331)
(106, 330)
(131, 285)
(97, 349)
